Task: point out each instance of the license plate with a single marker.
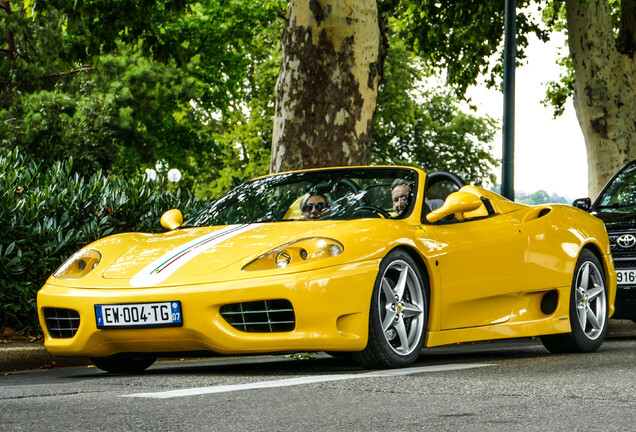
(139, 315)
(626, 277)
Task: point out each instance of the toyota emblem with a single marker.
(626, 241)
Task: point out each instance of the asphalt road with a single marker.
(511, 386)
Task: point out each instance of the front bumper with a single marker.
(331, 309)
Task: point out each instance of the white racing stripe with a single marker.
(302, 380)
(164, 266)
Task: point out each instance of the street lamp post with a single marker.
(510, 57)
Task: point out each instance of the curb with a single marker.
(21, 356)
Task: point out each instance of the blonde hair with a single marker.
(310, 194)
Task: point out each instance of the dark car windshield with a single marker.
(621, 192)
(340, 194)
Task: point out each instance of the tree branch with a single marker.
(72, 72)
(15, 54)
(10, 37)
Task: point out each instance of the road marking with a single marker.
(303, 380)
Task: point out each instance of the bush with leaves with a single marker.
(47, 214)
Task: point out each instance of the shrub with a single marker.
(47, 214)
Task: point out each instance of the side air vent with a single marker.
(544, 211)
(265, 316)
(536, 213)
(61, 323)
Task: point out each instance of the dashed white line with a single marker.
(302, 380)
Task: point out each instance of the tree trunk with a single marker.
(11, 48)
(605, 85)
(327, 87)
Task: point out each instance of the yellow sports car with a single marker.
(372, 262)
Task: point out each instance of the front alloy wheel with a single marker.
(398, 314)
(588, 309)
(591, 304)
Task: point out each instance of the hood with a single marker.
(185, 256)
(617, 219)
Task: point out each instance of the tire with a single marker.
(398, 314)
(124, 363)
(588, 309)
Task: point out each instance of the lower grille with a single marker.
(265, 316)
(624, 263)
(61, 323)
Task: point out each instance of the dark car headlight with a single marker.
(298, 252)
(79, 265)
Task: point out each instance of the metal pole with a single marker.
(510, 55)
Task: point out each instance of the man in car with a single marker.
(400, 195)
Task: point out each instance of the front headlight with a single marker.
(78, 265)
(298, 252)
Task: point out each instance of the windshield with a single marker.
(621, 193)
(314, 195)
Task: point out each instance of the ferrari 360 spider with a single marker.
(369, 262)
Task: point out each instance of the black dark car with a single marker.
(616, 206)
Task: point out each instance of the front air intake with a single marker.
(264, 316)
(61, 323)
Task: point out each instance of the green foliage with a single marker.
(118, 85)
(459, 37)
(43, 123)
(244, 130)
(463, 40)
(48, 214)
(427, 128)
(560, 90)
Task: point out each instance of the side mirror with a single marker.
(583, 204)
(456, 203)
(172, 219)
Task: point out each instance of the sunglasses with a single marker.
(320, 206)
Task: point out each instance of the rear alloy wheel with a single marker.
(398, 315)
(124, 363)
(588, 309)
